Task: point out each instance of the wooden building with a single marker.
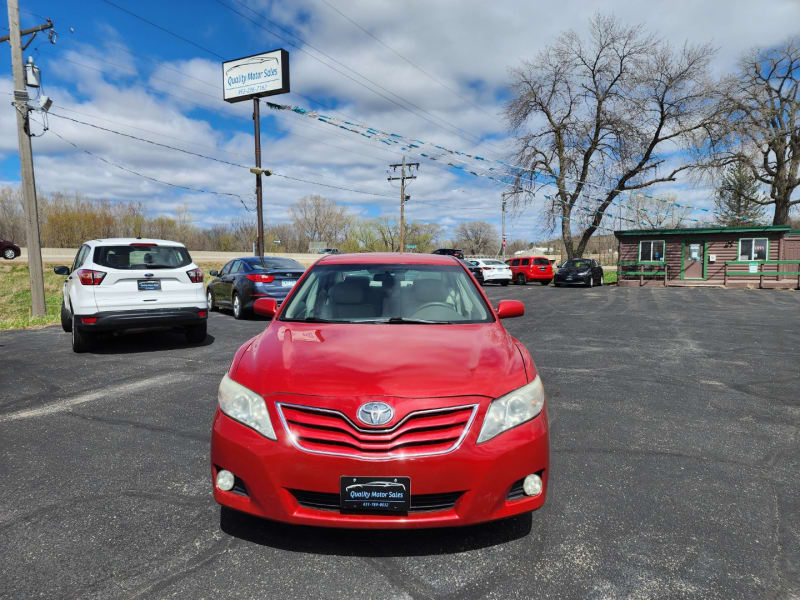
(752, 256)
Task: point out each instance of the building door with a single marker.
(693, 260)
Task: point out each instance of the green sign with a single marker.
(411, 245)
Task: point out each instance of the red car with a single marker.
(9, 250)
(385, 393)
(531, 268)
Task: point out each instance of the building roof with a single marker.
(704, 230)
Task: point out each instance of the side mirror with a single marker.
(266, 307)
(213, 273)
(510, 308)
(61, 270)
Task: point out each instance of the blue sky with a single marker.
(115, 71)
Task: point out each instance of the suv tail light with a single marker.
(90, 277)
(195, 275)
(259, 278)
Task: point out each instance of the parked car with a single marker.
(131, 283)
(358, 407)
(475, 269)
(243, 280)
(531, 268)
(449, 252)
(582, 271)
(494, 271)
(329, 251)
(9, 250)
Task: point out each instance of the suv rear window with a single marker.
(142, 257)
(541, 261)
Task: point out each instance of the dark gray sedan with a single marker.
(579, 271)
(244, 280)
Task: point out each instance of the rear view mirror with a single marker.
(266, 307)
(510, 308)
(213, 273)
(61, 270)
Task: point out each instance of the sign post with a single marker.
(253, 77)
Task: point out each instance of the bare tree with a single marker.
(476, 237)
(319, 219)
(655, 212)
(597, 118)
(759, 125)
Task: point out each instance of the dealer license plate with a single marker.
(375, 494)
(148, 285)
(288, 282)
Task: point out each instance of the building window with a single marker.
(753, 248)
(651, 251)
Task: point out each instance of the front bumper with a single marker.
(576, 280)
(144, 319)
(280, 482)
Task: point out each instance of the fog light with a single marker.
(225, 480)
(532, 486)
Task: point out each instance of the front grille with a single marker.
(419, 502)
(420, 433)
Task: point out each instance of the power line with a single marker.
(148, 177)
(416, 66)
(452, 128)
(164, 29)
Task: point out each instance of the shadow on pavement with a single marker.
(372, 542)
(151, 340)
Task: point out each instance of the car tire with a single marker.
(236, 306)
(196, 333)
(9, 254)
(210, 300)
(600, 281)
(81, 340)
(504, 283)
(590, 281)
(66, 318)
(521, 279)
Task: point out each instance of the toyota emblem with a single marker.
(375, 413)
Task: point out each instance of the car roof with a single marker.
(129, 241)
(378, 258)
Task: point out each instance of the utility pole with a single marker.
(403, 197)
(26, 157)
(503, 218)
(259, 206)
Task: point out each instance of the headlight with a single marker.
(516, 407)
(586, 272)
(245, 406)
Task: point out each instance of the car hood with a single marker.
(403, 360)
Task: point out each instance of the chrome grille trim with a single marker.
(296, 443)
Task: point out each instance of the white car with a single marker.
(494, 271)
(132, 283)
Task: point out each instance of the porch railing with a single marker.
(645, 270)
(760, 272)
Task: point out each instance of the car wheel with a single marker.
(9, 254)
(196, 333)
(80, 339)
(600, 280)
(236, 303)
(590, 281)
(66, 318)
(521, 279)
(210, 299)
(504, 283)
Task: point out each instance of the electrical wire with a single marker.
(148, 177)
(302, 48)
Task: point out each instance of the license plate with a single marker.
(148, 285)
(375, 494)
(288, 282)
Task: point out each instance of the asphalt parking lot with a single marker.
(675, 466)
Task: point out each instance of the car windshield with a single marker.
(495, 263)
(273, 263)
(142, 257)
(576, 264)
(387, 293)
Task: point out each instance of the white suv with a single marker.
(127, 283)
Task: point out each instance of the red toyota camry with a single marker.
(384, 393)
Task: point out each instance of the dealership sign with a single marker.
(255, 76)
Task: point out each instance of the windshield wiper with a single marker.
(314, 320)
(393, 320)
